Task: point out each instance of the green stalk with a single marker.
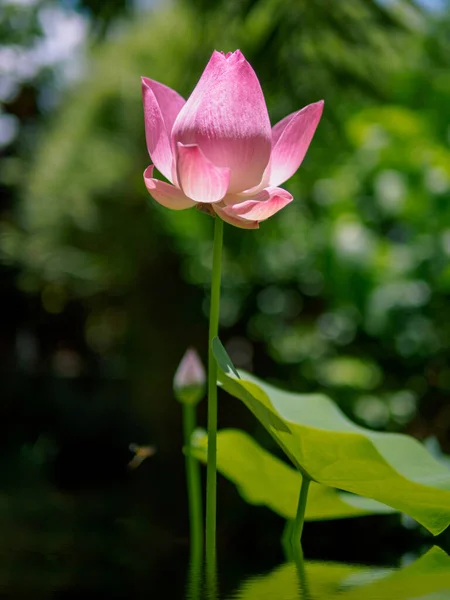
(297, 528)
(211, 473)
(194, 486)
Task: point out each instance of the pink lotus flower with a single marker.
(218, 150)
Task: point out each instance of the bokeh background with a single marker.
(102, 290)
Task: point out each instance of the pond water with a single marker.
(425, 577)
(130, 540)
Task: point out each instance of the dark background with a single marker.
(345, 291)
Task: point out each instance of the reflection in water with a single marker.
(317, 581)
(194, 579)
(428, 577)
(201, 585)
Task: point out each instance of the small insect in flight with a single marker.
(140, 454)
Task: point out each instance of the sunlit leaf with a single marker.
(326, 446)
(263, 479)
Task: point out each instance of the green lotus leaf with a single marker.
(263, 479)
(328, 448)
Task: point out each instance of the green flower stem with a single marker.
(301, 508)
(211, 473)
(194, 486)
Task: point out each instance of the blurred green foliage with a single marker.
(345, 289)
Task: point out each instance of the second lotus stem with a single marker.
(194, 486)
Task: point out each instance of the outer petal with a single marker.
(169, 101)
(226, 116)
(290, 141)
(166, 194)
(233, 220)
(161, 107)
(264, 205)
(198, 177)
(217, 64)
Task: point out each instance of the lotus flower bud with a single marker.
(189, 382)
